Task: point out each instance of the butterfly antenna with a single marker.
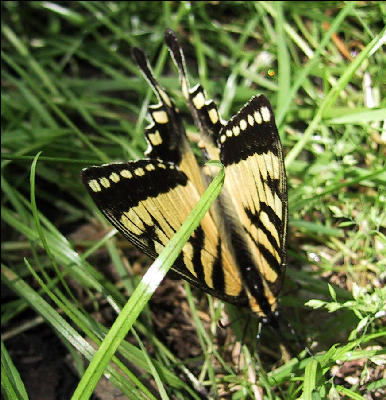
(297, 337)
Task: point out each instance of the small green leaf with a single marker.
(332, 292)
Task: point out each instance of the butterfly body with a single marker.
(238, 252)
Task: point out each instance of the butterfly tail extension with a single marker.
(205, 112)
(166, 134)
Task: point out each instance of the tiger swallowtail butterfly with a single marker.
(238, 252)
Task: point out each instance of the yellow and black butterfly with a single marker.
(238, 252)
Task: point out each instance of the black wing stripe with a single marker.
(271, 225)
(256, 221)
(197, 242)
(270, 258)
(251, 277)
(218, 271)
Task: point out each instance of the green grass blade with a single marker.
(331, 97)
(310, 377)
(12, 387)
(19, 286)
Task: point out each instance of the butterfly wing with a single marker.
(147, 201)
(256, 200)
(204, 110)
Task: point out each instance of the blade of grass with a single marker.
(36, 67)
(18, 285)
(314, 58)
(298, 204)
(152, 368)
(331, 97)
(15, 157)
(310, 375)
(12, 387)
(284, 73)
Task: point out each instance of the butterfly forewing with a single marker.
(256, 200)
(147, 201)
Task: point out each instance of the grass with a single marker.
(72, 95)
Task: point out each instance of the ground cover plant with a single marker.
(73, 97)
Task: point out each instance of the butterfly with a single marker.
(238, 252)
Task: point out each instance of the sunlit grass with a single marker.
(71, 91)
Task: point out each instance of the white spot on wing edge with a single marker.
(265, 113)
(104, 182)
(125, 173)
(114, 177)
(155, 138)
(139, 172)
(213, 115)
(150, 167)
(94, 185)
(243, 124)
(257, 117)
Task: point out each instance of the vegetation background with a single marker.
(72, 95)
